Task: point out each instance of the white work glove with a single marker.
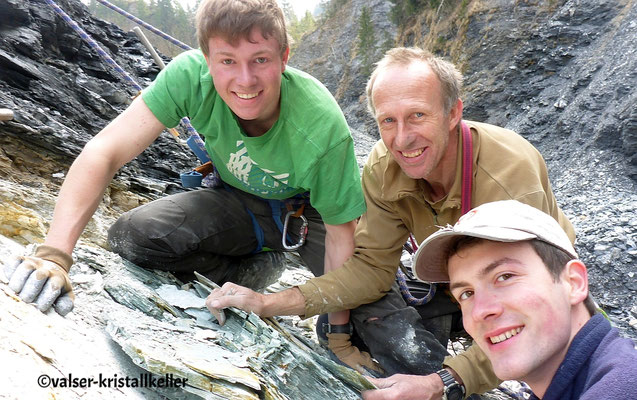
(43, 279)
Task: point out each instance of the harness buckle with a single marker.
(302, 231)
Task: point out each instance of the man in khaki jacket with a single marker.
(412, 183)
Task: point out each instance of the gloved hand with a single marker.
(43, 278)
(342, 347)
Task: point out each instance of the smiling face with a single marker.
(247, 76)
(413, 125)
(514, 310)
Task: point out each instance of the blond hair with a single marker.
(448, 75)
(233, 20)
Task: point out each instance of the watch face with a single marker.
(454, 392)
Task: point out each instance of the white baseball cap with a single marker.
(500, 221)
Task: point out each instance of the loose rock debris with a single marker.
(147, 322)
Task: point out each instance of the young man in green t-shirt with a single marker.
(272, 132)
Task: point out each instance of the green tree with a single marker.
(166, 15)
(300, 27)
(330, 7)
(288, 12)
(403, 10)
(366, 40)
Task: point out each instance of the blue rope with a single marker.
(109, 60)
(409, 298)
(93, 44)
(146, 25)
(401, 278)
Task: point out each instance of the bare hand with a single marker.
(233, 295)
(406, 387)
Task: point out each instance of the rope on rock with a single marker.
(151, 28)
(194, 142)
(109, 60)
(93, 44)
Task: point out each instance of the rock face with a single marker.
(132, 327)
(331, 54)
(563, 74)
(62, 94)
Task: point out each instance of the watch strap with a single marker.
(345, 328)
(453, 389)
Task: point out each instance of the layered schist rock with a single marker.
(61, 95)
(561, 73)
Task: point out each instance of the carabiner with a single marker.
(302, 232)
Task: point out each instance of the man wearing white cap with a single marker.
(525, 301)
(429, 167)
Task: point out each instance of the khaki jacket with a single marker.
(505, 166)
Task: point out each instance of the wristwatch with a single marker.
(453, 389)
(345, 328)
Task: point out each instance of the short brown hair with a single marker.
(233, 20)
(448, 75)
(554, 258)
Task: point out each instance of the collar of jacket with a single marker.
(397, 185)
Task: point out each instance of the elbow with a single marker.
(96, 160)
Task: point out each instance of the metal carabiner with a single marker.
(302, 232)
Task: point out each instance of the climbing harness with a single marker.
(194, 142)
(302, 230)
(300, 200)
(467, 180)
(277, 206)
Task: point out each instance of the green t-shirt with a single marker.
(309, 148)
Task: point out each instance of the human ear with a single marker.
(284, 59)
(576, 276)
(208, 61)
(455, 114)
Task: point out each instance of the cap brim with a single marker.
(430, 261)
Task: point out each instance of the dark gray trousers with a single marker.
(210, 231)
(404, 339)
(207, 230)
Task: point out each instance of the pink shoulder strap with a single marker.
(467, 167)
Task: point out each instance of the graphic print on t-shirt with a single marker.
(256, 179)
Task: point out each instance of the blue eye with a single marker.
(419, 114)
(261, 60)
